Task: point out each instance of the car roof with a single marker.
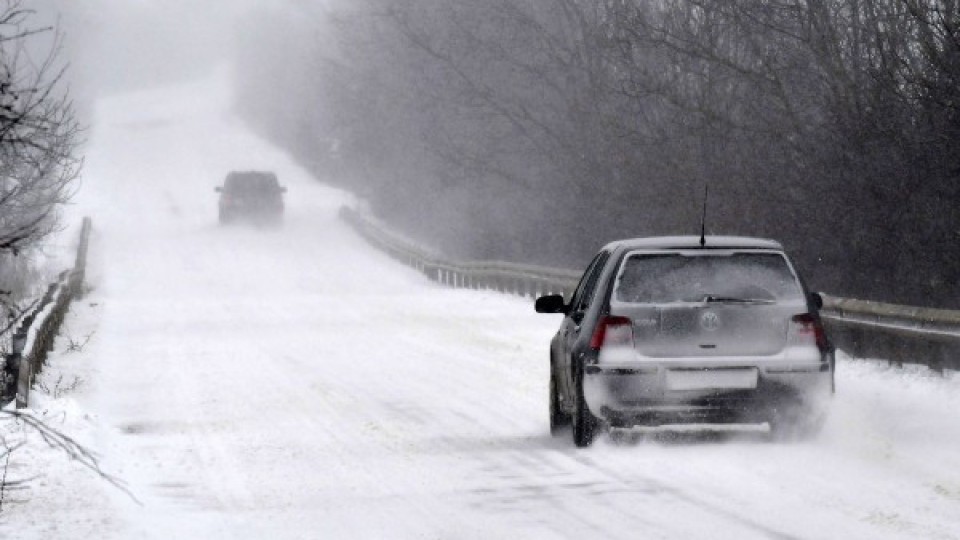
(693, 242)
(251, 180)
(251, 175)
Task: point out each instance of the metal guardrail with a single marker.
(34, 338)
(521, 279)
(896, 333)
(862, 329)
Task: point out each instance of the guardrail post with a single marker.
(11, 372)
(24, 380)
(859, 339)
(933, 351)
(80, 265)
(897, 350)
(950, 355)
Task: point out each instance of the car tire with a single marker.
(558, 418)
(585, 425)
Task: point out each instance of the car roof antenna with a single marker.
(703, 217)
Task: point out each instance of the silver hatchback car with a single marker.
(671, 330)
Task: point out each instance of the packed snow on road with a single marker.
(293, 382)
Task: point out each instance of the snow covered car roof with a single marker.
(693, 242)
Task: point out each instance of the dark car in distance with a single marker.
(254, 196)
(684, 330)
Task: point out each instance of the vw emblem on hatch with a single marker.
(710, 321)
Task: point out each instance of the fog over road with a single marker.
(293, 382)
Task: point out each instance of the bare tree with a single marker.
(39, 133)
(537, 129)
(27, 421)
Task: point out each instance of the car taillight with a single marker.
(806, 325)
(612, 331)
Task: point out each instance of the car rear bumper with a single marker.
(660, 394)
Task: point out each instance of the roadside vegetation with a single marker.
(536, 131)
(39, 164)
(39, 138)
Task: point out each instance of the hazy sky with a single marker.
(116, 45)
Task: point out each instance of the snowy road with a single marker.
(295, 383)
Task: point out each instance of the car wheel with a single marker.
(558, 418)
(585, 425)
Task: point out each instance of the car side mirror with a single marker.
(817, 300)
(552, 303)
(218, 189)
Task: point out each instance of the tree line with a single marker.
(39, 139)
(537, 130)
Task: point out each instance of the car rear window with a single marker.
(663, 278)
(252, 182)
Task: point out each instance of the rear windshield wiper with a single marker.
(711, 299)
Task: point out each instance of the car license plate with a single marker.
(711, 379)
